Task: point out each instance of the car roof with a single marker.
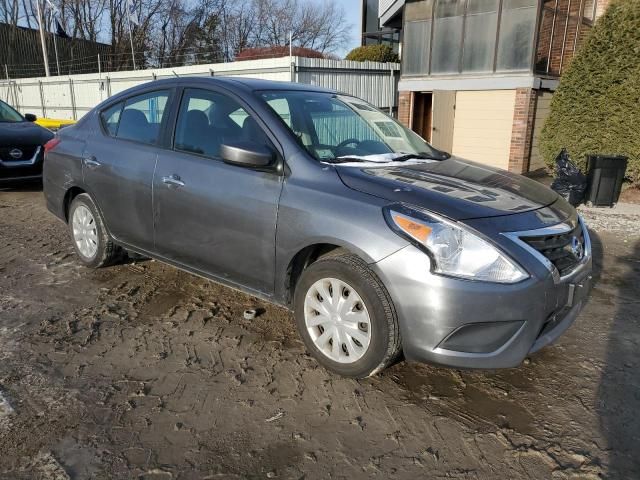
(239, 86)
(236, 84)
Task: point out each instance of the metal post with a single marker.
(42, 42)
(44, 109)
(392, 90)
(6, 71)
(553, 32)
(100, 88)
(578, 24)
(292, 66)
(73, 99)
(133, 53)
(55, 47)
(564, 38)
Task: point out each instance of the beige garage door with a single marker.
(482, 128)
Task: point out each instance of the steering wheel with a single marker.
(349, 141)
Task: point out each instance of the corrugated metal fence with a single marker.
(72, 96)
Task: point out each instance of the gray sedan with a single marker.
(381, 245)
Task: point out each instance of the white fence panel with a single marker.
(72, 96)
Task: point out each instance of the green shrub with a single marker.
(596, 108)
(373, 53)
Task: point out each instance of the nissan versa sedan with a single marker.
(21, 146)
(381, 245)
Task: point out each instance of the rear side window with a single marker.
(139, 118)
(110, 118)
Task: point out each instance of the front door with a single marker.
(444, 105)
(210, 216)
(118, 165)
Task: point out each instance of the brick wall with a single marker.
(405, 101)
(522, 130)
(560, 35)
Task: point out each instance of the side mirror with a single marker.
(30, 117)
(247, 154)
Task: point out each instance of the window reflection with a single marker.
(447, 36)
(480, 35)
(517, 26)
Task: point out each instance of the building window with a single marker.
(517, 25)
(416, 60)
(447, 36)
(480, 35)
(459, 36)
(417, 33)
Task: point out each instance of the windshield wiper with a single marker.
(420, 156)
(343, 160)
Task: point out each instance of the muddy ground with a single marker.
(142, 371)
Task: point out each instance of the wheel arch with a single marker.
(69, 195)
(309, 254)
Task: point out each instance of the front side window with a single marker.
(208, 119)
(339, 127)
(142, 116)
(8, 114)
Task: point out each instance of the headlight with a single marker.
(454, 250)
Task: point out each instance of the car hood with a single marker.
(456, 188)
(23, 133)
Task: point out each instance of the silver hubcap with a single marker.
(337, 320)
(85, 233)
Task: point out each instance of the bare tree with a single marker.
(319, 26)
(11, 12)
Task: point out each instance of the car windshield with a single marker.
(340, 128)
(8, 114)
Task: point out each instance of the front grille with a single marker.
(28, 151)
(559, 248)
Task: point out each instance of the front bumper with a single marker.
(23, 170)
(433, 310)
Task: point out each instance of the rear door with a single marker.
(119, 161)
(213, 217)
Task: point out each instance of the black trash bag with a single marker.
(570, 182)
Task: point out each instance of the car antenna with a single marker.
(174, 72)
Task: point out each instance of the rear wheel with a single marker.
(346, 317)
(90, 239)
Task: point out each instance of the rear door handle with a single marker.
(173, 181)
(91, 162)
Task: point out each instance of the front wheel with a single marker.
(346, 317)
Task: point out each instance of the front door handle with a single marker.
(173, 181)
(91, 162)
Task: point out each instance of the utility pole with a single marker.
(42, 41)
(55, 46)
(133, 53)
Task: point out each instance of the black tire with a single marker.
(385, 345)
(107, 252)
